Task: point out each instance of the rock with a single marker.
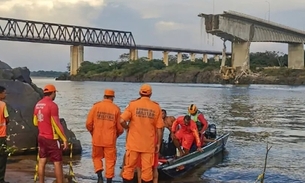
(63, 77)
(22, 95)
(4, 65)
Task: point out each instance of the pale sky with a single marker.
(152, 22)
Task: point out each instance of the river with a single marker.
(253, 114)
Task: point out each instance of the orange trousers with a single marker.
(131, 159)
(109, 153)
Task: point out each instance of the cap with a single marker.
(49, 88)
(109, 92)
(145, 89)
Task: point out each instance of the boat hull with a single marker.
(190, 161)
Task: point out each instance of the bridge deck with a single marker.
(182, 50)
(263, 22)
(257, 21)
(52, 33)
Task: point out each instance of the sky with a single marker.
(171, 23)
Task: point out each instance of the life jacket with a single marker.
(195, 119)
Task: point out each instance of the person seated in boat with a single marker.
(198, 117)
(185, 135)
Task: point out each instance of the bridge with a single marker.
(78, 37)
(242, 29)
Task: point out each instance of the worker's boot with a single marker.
(109, 180)
(99, 177)
(127, 181)
(151, 181)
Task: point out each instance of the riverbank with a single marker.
(282, 76)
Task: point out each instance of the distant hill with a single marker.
(51, 74)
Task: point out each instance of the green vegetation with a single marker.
(42, 73)
(124, 67)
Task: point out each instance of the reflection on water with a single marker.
(253, 114)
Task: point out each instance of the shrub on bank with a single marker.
(140, 67)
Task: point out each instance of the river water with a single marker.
(253, 114)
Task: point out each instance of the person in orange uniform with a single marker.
(145, 121)
(154, 167)
(185, 135)
(103, 122)
(46, 117)
(4, 120)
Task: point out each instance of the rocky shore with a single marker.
(22, 96)
(269, 76)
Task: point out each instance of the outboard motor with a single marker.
(211, 132)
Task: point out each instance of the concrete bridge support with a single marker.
(205, 58)
(179, 57)
(150, 55)
(216, 58)
(296, 55)
(133, 54)
(193, 56)
(240, 54)
(76, 58)
(165, 57)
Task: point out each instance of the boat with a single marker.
(170, 167)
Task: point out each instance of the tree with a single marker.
(68, 67)
(185, 57)
(124, 57)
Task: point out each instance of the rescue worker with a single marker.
(46, 117)
(185, 135)
(154, 167)
(145, 121)
(103, 123)
(198, 118)
(4, 120)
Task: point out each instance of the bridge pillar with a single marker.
(240, 54)
(296, 56)
(179, 57)
(193, 55)
(133, 54)
(76, 58)
(216, 58)
(150, 55)
(205, 58)
(165, 57)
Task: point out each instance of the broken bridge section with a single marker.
(242, 29)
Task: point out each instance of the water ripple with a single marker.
(253, 114)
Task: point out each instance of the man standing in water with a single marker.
(50, 130)
(103, 123)
(3, 122)
(145, 121)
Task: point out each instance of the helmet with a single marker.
(192, 109)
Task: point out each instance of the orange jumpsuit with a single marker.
(103, 122)
(145, 118)
(156, 158)
(186, 134)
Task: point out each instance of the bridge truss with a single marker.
(42, 32)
